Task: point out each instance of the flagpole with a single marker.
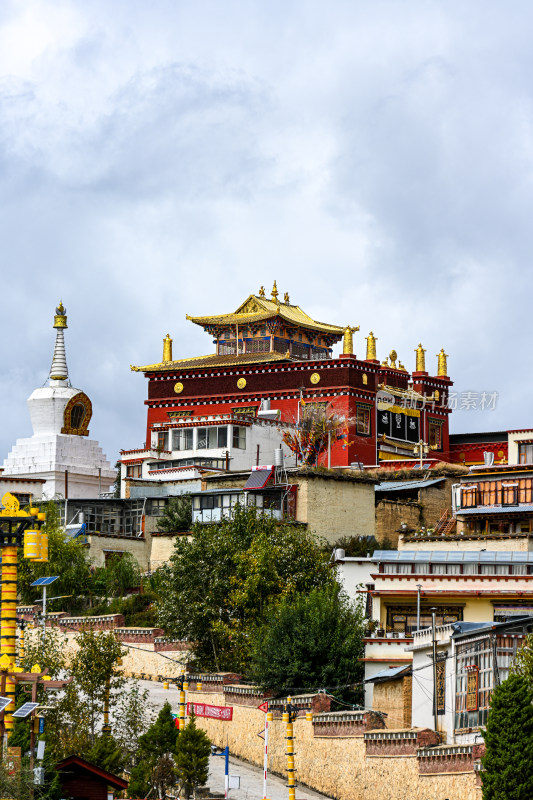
(267, 715)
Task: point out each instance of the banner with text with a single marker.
(214, 712)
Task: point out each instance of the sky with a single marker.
(160, 158)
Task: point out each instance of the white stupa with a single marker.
(59, 450)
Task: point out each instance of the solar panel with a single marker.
(45, 581)
(4, 702)
(25, 710)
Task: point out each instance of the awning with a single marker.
(259, 478)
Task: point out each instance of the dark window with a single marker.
(239, 437)
(76, 415)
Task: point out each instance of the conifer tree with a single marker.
(192, 757)
(155, 766)
(508, 763)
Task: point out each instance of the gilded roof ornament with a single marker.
(371, 347)
(420, 359)
(261, 291)
(60, 318)
(275, 293)
(286, 298)
(393, 355)
(347, 344)
(442, 364)
(167, 348)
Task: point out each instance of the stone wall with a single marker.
(339, 765)
(100, 545)
(434, 500)
(389, 516)
(334, 508)
(393, 698)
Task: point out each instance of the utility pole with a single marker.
(434, 643)
(290, 712)
(418, 594)
(182, 685)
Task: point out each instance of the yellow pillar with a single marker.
(8, 624)
(182, 710)
(289, 736)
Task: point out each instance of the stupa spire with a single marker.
(59, 369)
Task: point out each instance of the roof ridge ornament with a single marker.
(275, 293)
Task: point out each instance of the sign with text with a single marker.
(213, 712)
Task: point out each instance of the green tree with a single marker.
(508, 763)
(95, 669)
(311, 641)
(67, 558)
(177, 515)
(122, 572)
(107, 753)
(192, 758)
(132, 716)
(155, 768)
(219, 583)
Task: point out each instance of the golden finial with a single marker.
(347, 345)
(420, 359)
(371, 347)
(60, 318)
(167, 348)
(385, 363)
(393, 355)
(442, 368)
(275, 293)
(401, 366)
(286, 298)
(261, 291)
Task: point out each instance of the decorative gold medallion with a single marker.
(178, 387)
(241, 383)
(315, 377)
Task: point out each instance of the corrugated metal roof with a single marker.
(484, 510)
(389, 673)
(395, 486)
(454, 557)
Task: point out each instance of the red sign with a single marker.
(213, 712)
(263, 707)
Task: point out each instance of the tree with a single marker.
(192, 758)
(508, 763)
(107, 753)
(316, 429)
(66, 557)
(155, 768)
(177, 515)
(132, 716)
(95, 669)
(122, 572)
(311, 640)
(218, 584)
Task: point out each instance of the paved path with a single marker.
(250, 775)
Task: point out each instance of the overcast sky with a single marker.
(162, 158)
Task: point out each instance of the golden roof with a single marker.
(212, 360)
(257, 308)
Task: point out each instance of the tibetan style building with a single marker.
(226, 409)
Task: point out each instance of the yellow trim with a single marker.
(409, 412)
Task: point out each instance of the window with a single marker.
(162, 440)
(404, 618)
(76, 415)
(182, 439)
(258, 346)
(133, 471)
(525, 453)
(212, 437)
(363, 420)
(435, 435)
(157, 506)
(239, 437)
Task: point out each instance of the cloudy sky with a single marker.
(161, 157)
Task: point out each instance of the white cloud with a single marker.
(168, 158)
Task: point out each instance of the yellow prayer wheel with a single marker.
(43, 550)
(199, 686)
(270, 716)
(32, 544)
(34, 512)
(185, 686)
(309, 716)
(165, 685)
(41, 516)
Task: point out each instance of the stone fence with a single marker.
(348, 754)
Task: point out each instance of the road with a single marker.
(251, 776)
